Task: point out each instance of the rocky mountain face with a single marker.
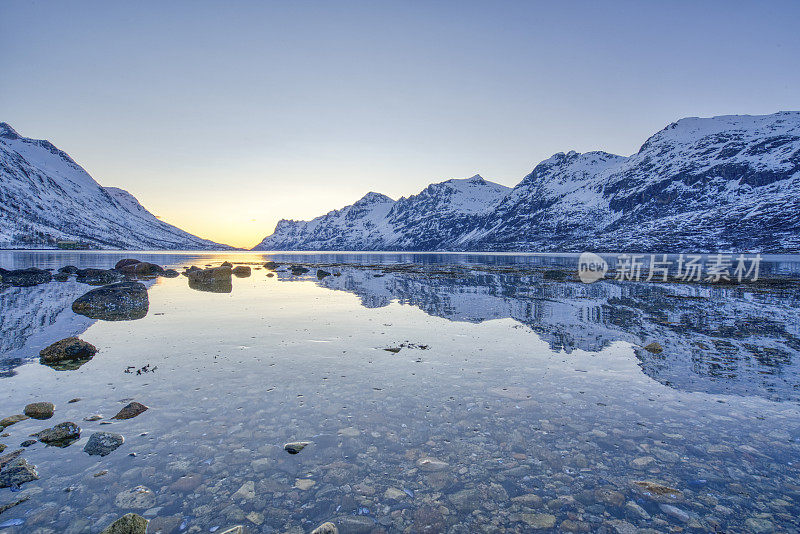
(699, 185)
(46, 197)
(440, 214)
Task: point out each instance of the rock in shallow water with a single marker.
(131, 410)
(140, 498)
(61, 435)
(127, 524)
(12, 420)
(432, 464)
(114, 302)
(17, 472)
(295, 446)
(213, 280)
(69, 349)
(40, 410)
(103, 443)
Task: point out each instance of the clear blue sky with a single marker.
(223, 117)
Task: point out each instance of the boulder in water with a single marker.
(61, 435)
(126, 262)
(114, 302)
(103, 443)
(67, 353)
(40, 410)
(16, 471)
(212, 280)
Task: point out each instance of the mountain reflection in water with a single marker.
(741, 340)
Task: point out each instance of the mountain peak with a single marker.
(7, 132)
(372, 197)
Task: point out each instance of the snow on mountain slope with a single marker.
(729, 183)
(376, 222)
(360, 226)
(46, 197)
(440, 214)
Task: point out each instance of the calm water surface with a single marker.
(518, 400)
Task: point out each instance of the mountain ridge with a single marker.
(726, 183)
(47, 198)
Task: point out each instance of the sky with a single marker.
(224, 117)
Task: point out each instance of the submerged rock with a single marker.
(61, 435)
(67, 350)
(656, 489)
(322, 274)
(295, 446)
(103, 443)
(114, 302)
(140, 497)
(40, 410)
(127, 524)
(297, 270)
(131, 410)
(271, 265)
(432, 464)
(16, 472)
(25, 277)
(539, 521)
(171, 273)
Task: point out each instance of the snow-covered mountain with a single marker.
(46, 197)
(700, 184)
(438, 215)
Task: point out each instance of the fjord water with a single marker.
(518, 399)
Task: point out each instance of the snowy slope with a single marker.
(729, 183)
(436, 216)
(46, 197)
